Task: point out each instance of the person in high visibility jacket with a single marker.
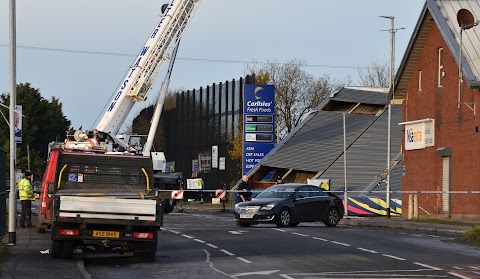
(25, 192)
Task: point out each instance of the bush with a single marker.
(472, 235)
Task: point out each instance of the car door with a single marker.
(301, 204)
(319, 203)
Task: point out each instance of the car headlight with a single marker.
(267, 207)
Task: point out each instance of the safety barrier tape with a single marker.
(340, 192)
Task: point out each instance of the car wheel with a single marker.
(333, 217)
(284, 218)
(294, 224)
(244, 225)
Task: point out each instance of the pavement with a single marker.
(29, 257)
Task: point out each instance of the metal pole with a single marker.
(460, 69)
(12, 209)
(392, 88)
(345, 165)
(28, 156)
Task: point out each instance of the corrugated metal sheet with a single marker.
(319, 141)
(361, 95)
(367, 157)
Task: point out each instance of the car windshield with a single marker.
(276, 192)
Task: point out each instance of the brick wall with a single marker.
(455, 128)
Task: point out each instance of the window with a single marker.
(419, 80)
(440, 67)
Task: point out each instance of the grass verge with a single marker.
(472, 235)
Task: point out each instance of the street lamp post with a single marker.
(345, 164)
(392, 31)
(12, 213)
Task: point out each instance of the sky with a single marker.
(79, 51)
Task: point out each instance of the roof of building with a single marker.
(443, 14)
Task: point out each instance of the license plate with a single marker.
(108, 234)
(246, 216)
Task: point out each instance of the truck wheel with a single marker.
(67, 249)
(56, 249)
(169, 205)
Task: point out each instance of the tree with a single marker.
(296, 91)
(141, 123)
(377, 75)
(43, 121)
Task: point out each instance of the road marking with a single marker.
(457, 267)
(228, 253)
(300, 234)
(280, 230)
(393, 257)
(340, 243)
(211, 245)
(366, 250)
(199, 240)
(187, 236)
(244, 260)
(476, 272)
(235, 232)
(427, 266)
(458, 275)
(266, 272)
(175, 232)
(318, 238)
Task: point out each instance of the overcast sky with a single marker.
(79, 51)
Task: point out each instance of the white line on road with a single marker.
(427, 266)
(366, 250)
(300, 234)
(393, 257)
(459, 275)
(172, 231)
(318, 238)
(199, 240)
(187, 236)
(211, 245)
(280, 230)
(244, 260)
(341, 243)
(266, 272)
(228, 253)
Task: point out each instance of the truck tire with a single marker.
(169, 205)
(67, 249)
(56, 249)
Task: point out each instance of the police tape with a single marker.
(214, 191)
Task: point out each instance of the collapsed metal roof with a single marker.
(316, 145)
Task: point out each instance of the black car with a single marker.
(290, 204)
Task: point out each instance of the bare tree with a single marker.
(377, 75)
(296, 91)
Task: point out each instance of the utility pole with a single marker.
(392, 31)
(12, 209)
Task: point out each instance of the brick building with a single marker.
(441, 146)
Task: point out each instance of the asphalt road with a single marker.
(212, 246)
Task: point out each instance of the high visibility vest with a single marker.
(25, 190)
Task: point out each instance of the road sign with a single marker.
(177, 195)
(221, 194)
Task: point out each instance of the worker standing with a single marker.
(25, 192)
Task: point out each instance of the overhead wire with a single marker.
(89, 52)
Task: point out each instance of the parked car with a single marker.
(290, 204)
